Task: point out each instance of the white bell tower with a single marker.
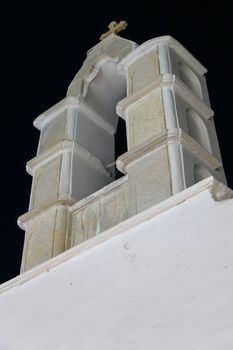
(159, 89)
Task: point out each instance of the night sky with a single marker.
(43, 47)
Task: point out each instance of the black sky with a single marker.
(43, 47)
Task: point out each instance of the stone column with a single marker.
(75, 148)
(172, 140)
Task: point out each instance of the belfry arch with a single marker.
(97, 122)
(103, 90)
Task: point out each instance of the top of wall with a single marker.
(216, 189)
(148, 281)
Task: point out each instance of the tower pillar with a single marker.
(75, 149)
(172, 141)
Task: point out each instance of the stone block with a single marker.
(45, 236)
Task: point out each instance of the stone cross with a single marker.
(114, 27)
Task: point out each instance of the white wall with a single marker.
(163, 284)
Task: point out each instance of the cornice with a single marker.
(61, 201)
(163, 138)
(152, 44)
(60, 148)
(71, 102)
(165, 81)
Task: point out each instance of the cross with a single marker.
(114, 27)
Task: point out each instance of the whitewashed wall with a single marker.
(161, 280)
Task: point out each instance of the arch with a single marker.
(197, 129)
(200, 173)
(190, 79)
(104, 90)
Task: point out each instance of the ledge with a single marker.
(69, 102)
(165, 81)
(59, 148)
(61, 201)
(163, 138)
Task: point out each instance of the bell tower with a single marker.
(172, 142)
(159, 90)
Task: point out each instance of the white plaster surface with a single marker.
(163, 282)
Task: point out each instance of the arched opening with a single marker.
(190, 79)
(197, 129)
(200, 173)
(104, 91)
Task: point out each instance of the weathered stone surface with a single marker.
(143, 71)
(145, 118)
(152, 179)
(46, 182)
(45, 236)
